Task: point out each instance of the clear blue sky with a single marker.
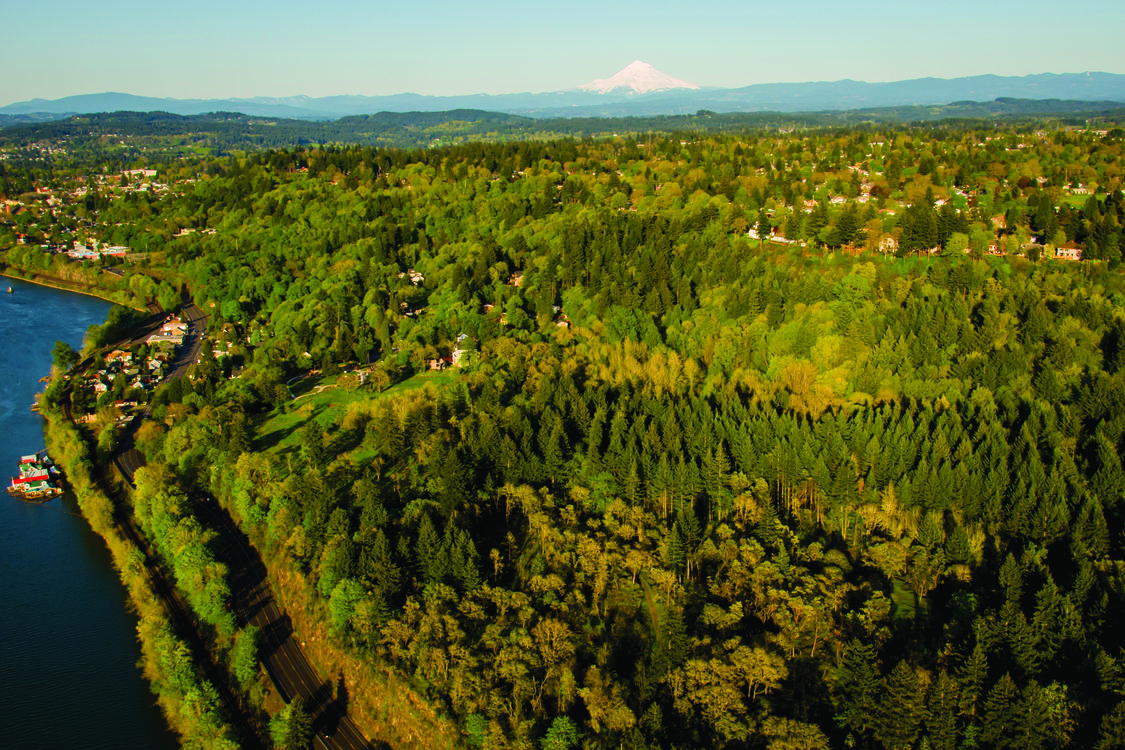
(242, 48)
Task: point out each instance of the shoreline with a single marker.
(154, 620)
(159, 627)
(163, 625)
(52, 282)
(116, 601)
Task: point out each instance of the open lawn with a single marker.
(323, 399)
(1075, 201)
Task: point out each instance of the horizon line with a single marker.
(574, 89)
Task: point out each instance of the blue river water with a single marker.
(68, 670)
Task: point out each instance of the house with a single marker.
(1069, 251)
(174, 325)
(81, 252)
(166, 337)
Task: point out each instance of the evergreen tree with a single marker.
(291, 728)
(856, 687)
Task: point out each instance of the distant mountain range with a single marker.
(637, 91)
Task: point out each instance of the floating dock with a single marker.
(37, 480)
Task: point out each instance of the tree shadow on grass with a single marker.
(269, 441)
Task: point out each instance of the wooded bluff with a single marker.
(772, 441)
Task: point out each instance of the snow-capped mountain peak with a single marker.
(639, 77)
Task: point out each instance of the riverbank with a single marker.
(70, 646)
(52, 282)
(156, 519)
(186, 676)
(224, 658)
(190, 701)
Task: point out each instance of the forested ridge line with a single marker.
(684, 486)
(226, 132)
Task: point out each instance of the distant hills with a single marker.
(637, 91)
(226, 132)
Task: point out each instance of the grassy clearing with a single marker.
(1075, 201)
(323, 399)
(904, 601)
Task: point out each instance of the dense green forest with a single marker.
(716, 464)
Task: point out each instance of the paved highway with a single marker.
(285, 660)
(289, 668)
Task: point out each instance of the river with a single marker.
(68, 676)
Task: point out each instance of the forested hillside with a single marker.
(149, 134)
(788, 442)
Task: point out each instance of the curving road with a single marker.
(283, 656)
(286, 663)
